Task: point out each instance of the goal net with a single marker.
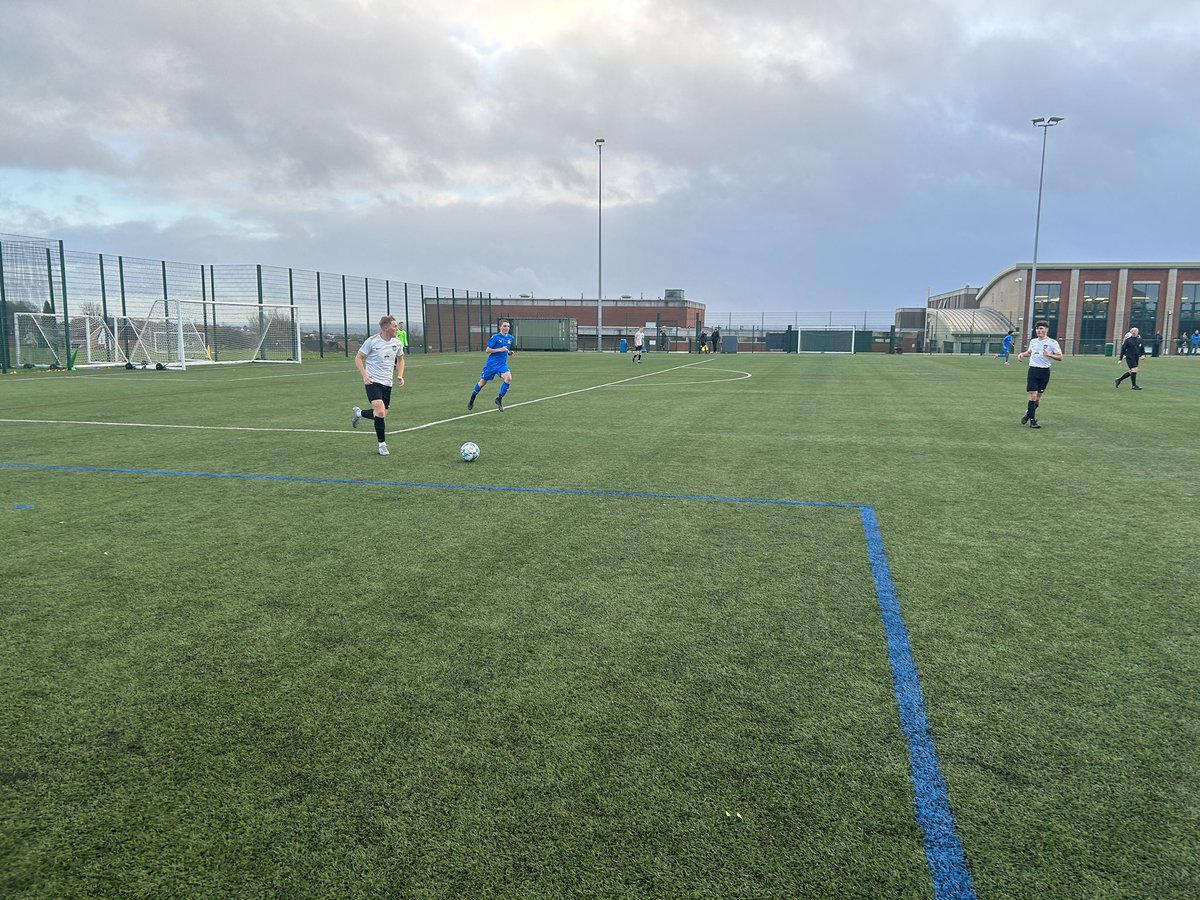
(837, 340)
(174, 333)
(180, 333)
(40, 340)
(97, 343)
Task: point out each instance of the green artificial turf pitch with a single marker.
(303, 683)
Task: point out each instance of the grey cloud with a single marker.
(756, 154)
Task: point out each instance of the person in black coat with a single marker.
(1131, 353)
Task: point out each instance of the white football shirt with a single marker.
(379, 358)
(1038, 348)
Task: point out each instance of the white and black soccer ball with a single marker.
(469, 451)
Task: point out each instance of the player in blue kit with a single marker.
(499, 348)
(1008, 342)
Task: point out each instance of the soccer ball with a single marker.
(469, 451)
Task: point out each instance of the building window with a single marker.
(1093, 330)
(1045, 305)
(1189, 308)
(1143, 310)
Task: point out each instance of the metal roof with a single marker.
(984, 320)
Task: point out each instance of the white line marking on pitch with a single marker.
(620, 382)
(738, 372)
(595, 387)
(194, 427)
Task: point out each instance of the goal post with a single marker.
(826, 340)
(92, 341)
(98, 341)
(39, 340)
(179, 333)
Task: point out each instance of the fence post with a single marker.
(424, 330)
(103, 290)
(320, 320)
(438, 297)
(345, 320)
(295, 316)
(469, 321)
(50, 280)
(3, 317)
(262, 324)
(62, 277)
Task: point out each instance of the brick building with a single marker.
(1089, 305)
(458, 323)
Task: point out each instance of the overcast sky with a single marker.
(764, 155)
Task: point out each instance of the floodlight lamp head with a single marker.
(1039, 120)
(599, 141)
(1054, 120)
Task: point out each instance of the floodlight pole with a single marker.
(1020, 282)
(1045, 124)
(599, 244)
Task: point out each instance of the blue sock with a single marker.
(503, 388)
(475, 393)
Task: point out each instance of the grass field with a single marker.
(641, 648)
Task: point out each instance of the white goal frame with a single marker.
(99, 344)
(829, 336)
(40, 341)
(179, 333)
(41, 337)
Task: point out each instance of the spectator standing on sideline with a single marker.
(715, 339)
(1195, 342)
(1007, 350)
(379, 356)
(1183, 343)
(1041, 352)
(639, 344)
(499, 349)
(662, 339)
(703, 348)
(1131, 352)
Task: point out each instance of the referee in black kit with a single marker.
(1131, 352)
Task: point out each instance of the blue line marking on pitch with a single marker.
(306, 479)
(23, 506)
(943, 847)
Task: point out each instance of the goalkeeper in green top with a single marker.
(402, 335)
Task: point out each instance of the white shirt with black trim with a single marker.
(1038, 348)
(379, 358)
